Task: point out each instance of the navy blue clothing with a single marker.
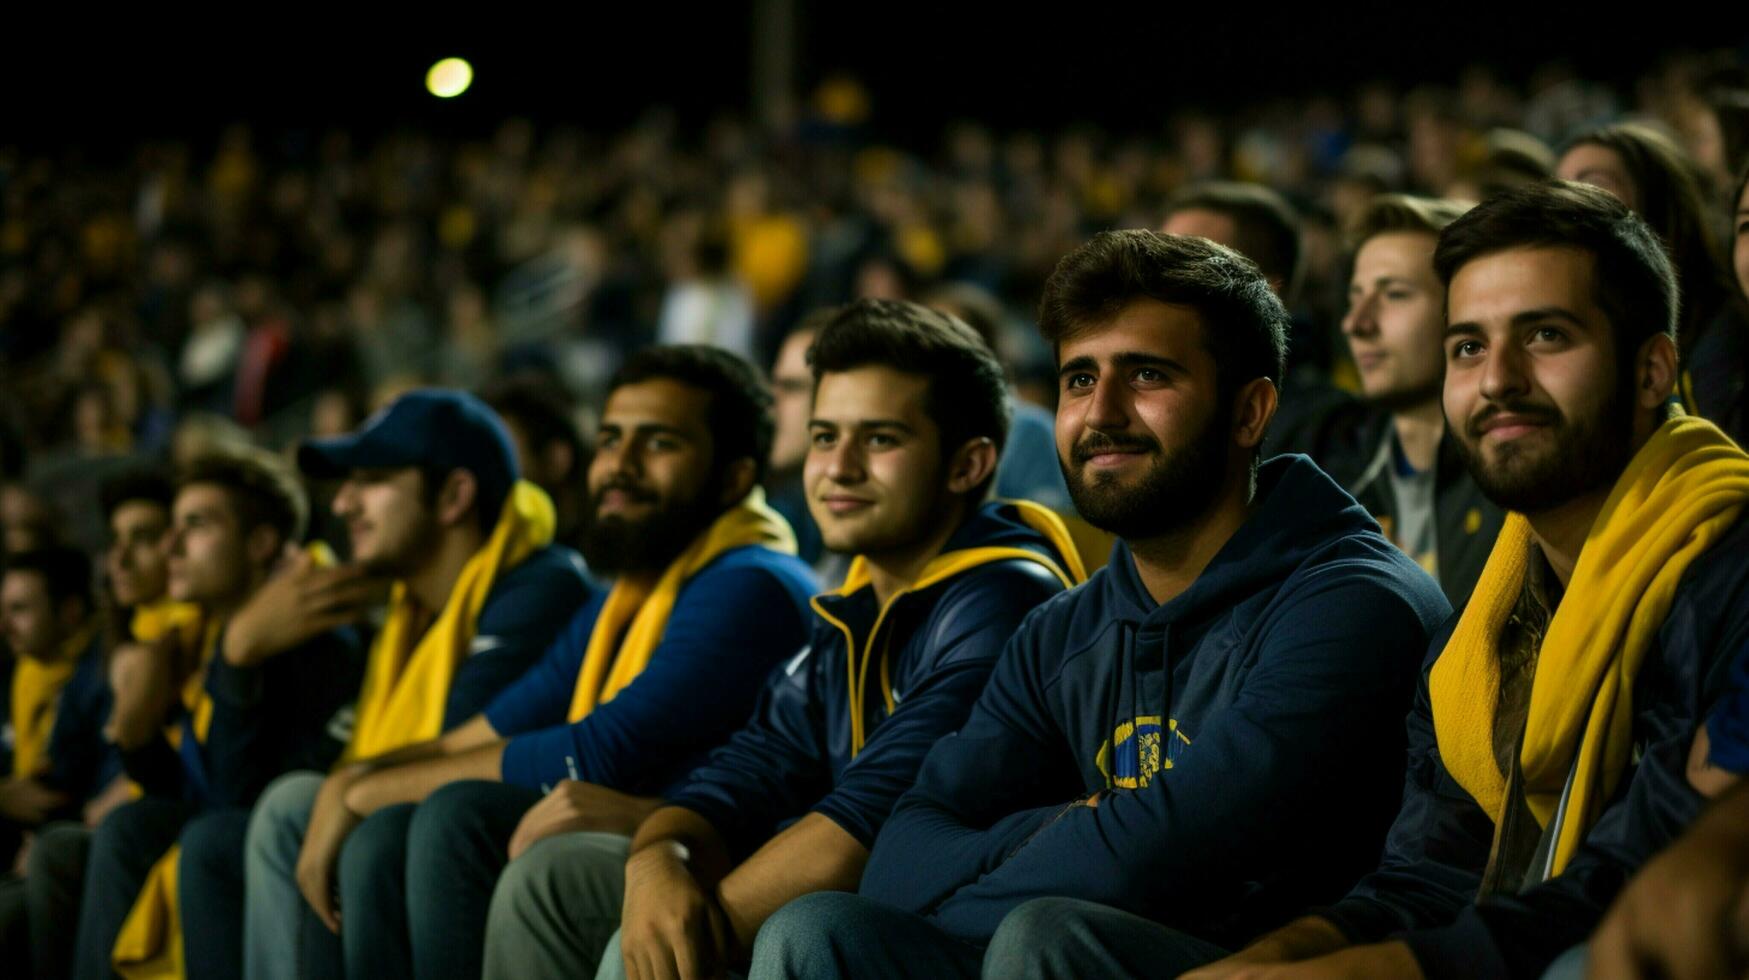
(1728, 723)
(940, 642)
(1425, 888)
(1245, 738)
(81, 761)
(733, 621)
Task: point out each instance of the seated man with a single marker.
(1549, 739)
(433, 500)
(1405, 469)
(199, 731)
(1161, 744)
(708, 597)
(908, 421)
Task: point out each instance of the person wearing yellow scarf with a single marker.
(1549, 742)
(45, 609)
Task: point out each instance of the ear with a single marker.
(456, 499)
(972, 464)
(738, 480)
(263, 546)
(1253, 407)
(1655, 373)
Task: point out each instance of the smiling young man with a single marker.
(1408, 473)
(1550, 737)
(908, 422)
(1157, 750)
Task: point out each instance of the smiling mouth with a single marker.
(845, 505)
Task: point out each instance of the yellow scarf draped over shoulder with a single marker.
(1680, 493)
(1069, 569)
(608, 666)
(405, 685)
(36, 698)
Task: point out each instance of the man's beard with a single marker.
(1588, 454)
(616, 545)
(1176, 492)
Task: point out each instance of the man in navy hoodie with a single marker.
(908, 420)
(1209, 733)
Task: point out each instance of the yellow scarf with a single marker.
(187, 626)
(1071, 572)
(406, 685)
(1678, 495)
(36, 695)
(607, 670)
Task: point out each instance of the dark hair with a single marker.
(1267, 226)
(968, 392)
(144, 484)
(1672, 193)
(66, 571)
(1632, 279)
(263, 488)
(1389, 213)
(740, 409)
(1244, 324)
(541, 408)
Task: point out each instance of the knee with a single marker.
(58, 846)
(376, 850)
(447, 814)
(1037, 924)
(211, 842)
(789, 941)
(535, 885)
(280, 815)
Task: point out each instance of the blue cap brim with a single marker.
(327, 459)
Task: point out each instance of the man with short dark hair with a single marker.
(908, 421)
(1404, 469)
(1550, 735)
(1160, 745)
(200, 730)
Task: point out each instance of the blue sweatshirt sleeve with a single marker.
(1318, 716)
(967, 630)
(1728, 724)
(541, 697)
(81, 761)
(528, 606)
(734, 621)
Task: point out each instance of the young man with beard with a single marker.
(201, 730)
(1162, 744)
(708, 596)
(433, 501)
(1550, 737)
(1405, 470)
(908, 421)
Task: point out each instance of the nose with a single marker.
(845, 464)
(345, 500)
(1503, 374)
(1362, 318)
(1107, 406)
(173, 541)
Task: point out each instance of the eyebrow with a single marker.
(893, 424)
(1522, 319)
(1382, 280)
(647, 428)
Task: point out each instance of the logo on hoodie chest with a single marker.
(1138, 749)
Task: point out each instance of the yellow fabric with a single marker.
(36, 694)
(608, 668)
(1678, 495)
(1069, 570)
(149, 946)
(407, 684)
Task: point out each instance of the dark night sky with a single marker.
(1124, 68)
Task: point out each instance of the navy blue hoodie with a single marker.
(1245, 738)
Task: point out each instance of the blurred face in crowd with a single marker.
(1602, 167)
(24, 519)
(1203, 223)
(34, 627)
(792, 387)
(1396, 318)
(1141, 431)
(389, 519)
(1534, 389)
(653, 485)
(1740, 240)
(213, 560)
(136, 559)
(874, 471)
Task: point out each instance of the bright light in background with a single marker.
(449, 78)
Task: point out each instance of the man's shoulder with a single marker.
(754, 568)
(550, 575)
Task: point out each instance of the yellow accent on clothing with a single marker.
(149, 946)
(1071, 572)
(1680, 493)
(610, 663)
(406, 684)
(36, 698)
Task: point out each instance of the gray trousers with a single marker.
(556, 909)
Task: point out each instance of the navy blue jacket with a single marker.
(81, 761)
(733, 621)
(1425, 888)
(1245, 738)
(940, 644)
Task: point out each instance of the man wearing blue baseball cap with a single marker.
(433, 502)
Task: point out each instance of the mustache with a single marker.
(1538, 413)
(1094, 443)
(628, 487)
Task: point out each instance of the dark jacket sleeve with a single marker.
(277, 717)
(1318, 717)
(156, 767)
(542, 695)
(965, 634)
(81, 762)
(732, 625)
(528, 606)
